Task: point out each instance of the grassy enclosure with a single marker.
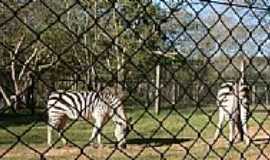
(162, 53)
(165, 136)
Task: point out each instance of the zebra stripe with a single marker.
(99, 106)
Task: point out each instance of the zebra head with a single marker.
(121, 125)
(113, 98)
(121, 131)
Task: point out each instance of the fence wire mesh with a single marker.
(174, 66)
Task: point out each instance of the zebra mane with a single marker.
(107, 91)
(115, 90)
(119, 116)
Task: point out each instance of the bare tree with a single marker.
(21, 71)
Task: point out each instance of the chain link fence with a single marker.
(169, 56)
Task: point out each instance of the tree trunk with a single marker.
(93, 72)
(266, 96)
(253, 94)
(174, 92)
(157, 93)
(93, 77)
(5, 96)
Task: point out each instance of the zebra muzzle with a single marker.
(123, 145)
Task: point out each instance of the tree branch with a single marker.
(26, 84)
(45, 66)
(25, 65)
(13, 58)
(109, 64)
(8, 102)
(19, 45)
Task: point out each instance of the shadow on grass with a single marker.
(8, 120)
(262, 140)
(158, 141)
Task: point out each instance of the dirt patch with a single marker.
(89, 152)
(259, 132)
(18, 152)
(172, 151)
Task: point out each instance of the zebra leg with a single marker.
(49, 135)
(97, 130)
(245, 132)
(64, 141)
(232, 125)
(61, 122)
(51, 124)
(219, 125)
(244, 119)
(239, 129)
(93, 136)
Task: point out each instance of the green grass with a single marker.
(147, 141)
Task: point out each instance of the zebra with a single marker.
(100, 106)
(233, 103)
